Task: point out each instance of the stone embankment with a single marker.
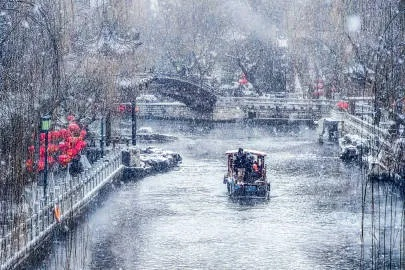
(148, 161)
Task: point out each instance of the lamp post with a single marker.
(45, 126)
(133, 118)
(102, 136)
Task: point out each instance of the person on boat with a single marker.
(256, 170)
(240, 161)
(248, 168)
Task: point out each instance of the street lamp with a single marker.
(133, 118)
(45, 126)
(102, 135)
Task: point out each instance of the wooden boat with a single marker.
(246, 177)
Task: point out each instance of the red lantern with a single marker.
(29, 164)
(121, 108)
(41, 151)
(50, 135)
(31, 149)
(41, 165)
(73, 127)
(70, 118)
(243, 80)
(80, 145)
(72, 141)
(63, 146)
(57, 134)
(64, 159)
(83, 133)
(42, 137)
(83, 145)
(51, 160)
(64, 133)
(54, 135)
(342, 105)
(72, 152)
(53, 148)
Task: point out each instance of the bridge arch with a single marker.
(196, 95)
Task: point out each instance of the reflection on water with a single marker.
(384, 226)
(183, 219)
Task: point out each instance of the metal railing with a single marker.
(70, 195)
(364, 128)
(264, 108)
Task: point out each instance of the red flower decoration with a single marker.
(29, 165)
(73, 127)
(41, 151)
(64, 159)
(83, 133)
(41, 165)
(72, 152)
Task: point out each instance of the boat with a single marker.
(332, 127)
(147, 134)
(246, 176)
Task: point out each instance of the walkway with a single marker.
(70, 194)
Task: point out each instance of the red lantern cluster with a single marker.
(243, 80)
(63, 146)
(342, 105)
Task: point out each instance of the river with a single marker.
(183, 219)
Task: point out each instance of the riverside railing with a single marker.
(69, 195)
(369, 130)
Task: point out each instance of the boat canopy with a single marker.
(253, 152)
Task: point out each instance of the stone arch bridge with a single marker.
(201, 98)
(195, 94)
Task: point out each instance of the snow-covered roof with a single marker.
(253, 152)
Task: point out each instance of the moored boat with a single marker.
(246, 176)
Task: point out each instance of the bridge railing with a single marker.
(265, 100)
(278, 108)
(70, 195)
(188, 79)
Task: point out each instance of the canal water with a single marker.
(183, 219)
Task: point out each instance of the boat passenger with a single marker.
(255, 167)
(248, 168)
(256, 170)
(239, 164)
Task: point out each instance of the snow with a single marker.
(146, 130)
(147, 98)
(297, 86)
(25, 24)
(36, 8)
(282, 43)
(353, 23)
(154, 7)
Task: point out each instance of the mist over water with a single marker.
(183, 219)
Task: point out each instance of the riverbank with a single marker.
(376, 147)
